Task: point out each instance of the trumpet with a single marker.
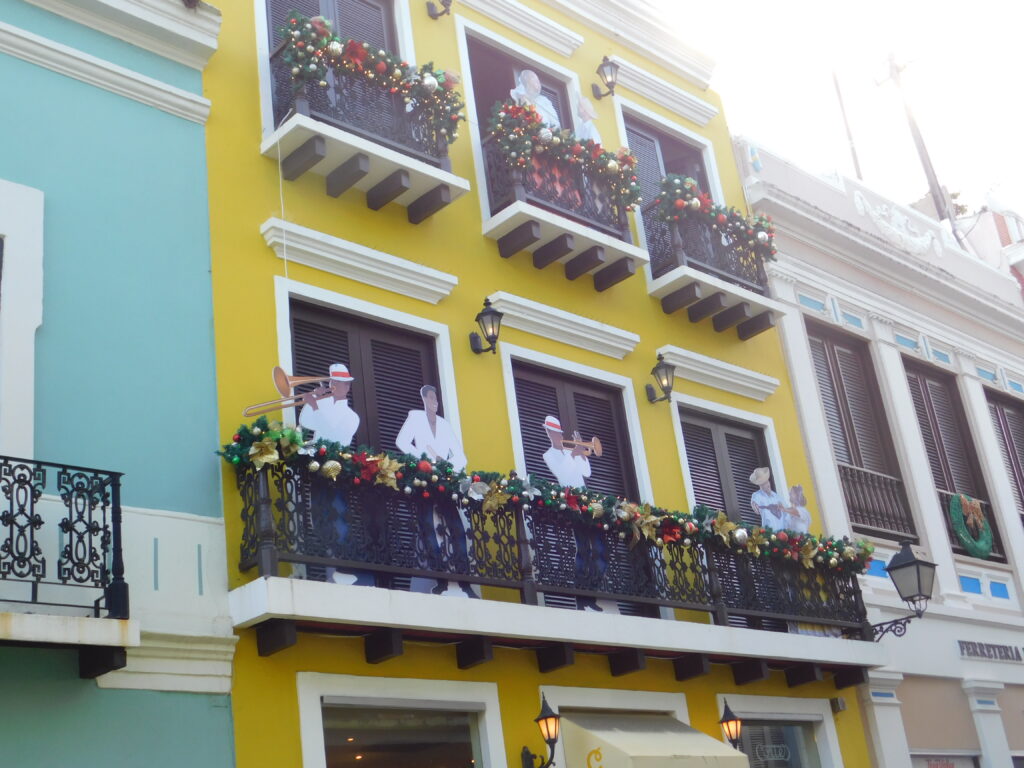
(592, 447)
(284, 384)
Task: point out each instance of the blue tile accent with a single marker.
(807, 301)
(853, 320)
(883, 695)
(942, 357)
(987, 375)
(999, 589)
(986, 702)
(906, 341)
(877, 568)
(1016, 386)
(970, 584)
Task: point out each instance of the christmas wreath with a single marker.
(521, 135)
(970, 525)
(311, 49)
(264, 443)
(680, 198)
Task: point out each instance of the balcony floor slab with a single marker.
(680, 277)
(45, 629)
(323, 603)
(340, 146)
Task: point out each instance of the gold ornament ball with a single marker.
(694, 203)
(741, 535)
(331, 469)
(613, 165)
(314, 466)
(335, 48)
(430, 82)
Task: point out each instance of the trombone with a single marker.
(284, 384)
(592, 447)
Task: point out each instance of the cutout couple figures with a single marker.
(776, 512)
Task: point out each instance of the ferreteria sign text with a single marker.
(972, 650)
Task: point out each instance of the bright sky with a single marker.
(964, 80)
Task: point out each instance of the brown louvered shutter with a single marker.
(580, 405)
(830, 400)
(919, 395)
(864, 415)
(649, 169)
(1008, 421)
(703, 465)
(368, 21)
(945, 407)
(277, 15)
(745, 455)
(319, 339)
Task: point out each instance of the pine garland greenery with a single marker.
(264, 443)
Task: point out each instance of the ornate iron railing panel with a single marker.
(691, 242)
(877, 503)
(555, 186)
(38, 499)
(351, 103)
(290, 516)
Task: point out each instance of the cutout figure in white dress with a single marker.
(527, 93)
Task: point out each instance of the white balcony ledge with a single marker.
(705, 296)
(552, 239)
(347, 161)
(309, 601)
(46, 629)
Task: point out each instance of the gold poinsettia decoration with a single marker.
(807, 553)
(495, 498)
(386, 469)
(264, 452)
(724, 527)
(757, 541)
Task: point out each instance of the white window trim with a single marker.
(624, 106)
(528, 23)
(661, 91)
(712, 372)
(464, 28)
(610, 699)
(748, 418)
(21, 314)
(817, 712)
(315, 687)
(403, 30)
(510, 352)
(285, 289)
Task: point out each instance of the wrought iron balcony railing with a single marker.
(60, 537)
(877, 503)
(691, 242)
(351, 103)
(289, 516)
(554, 186)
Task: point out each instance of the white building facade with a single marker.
(907, 360)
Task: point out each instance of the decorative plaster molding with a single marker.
(664, 93)
(81, 66)
(528, 23)
(566, 327)
(632, 23)
(165, 662)
(164, 27)
(719, 374)
(896, 228)
(356, 262)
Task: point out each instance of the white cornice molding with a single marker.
(81, 66)
(719, 374)
(356, 262)
(180, 663)
(662, 92)
(164, 27)
(528, 23)
(566, 327)
(632, 23)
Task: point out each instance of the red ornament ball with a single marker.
(236, 438)
(356, 481)
(423, 466)
(426, 494)
(721, 218)
(440, 488)
(680, 203)
(322, 451)
(399, 475)
(476, 478)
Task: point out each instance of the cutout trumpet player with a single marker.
(568, 460)
(326, 412)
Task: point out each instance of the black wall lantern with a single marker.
(731, 724)
(914, 580)
(665, 375)
(489, 320)
(549, 724)
(608, 71)
(436, 14)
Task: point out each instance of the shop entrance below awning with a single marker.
(624, 740)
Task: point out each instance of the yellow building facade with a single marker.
(313, 202)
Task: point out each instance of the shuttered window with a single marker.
(721, 457)
(853, 408)
(1008, 420)
(658, 154)
(580, 405)
(370, 21)
(389, 367)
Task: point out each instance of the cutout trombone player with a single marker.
(328, 414)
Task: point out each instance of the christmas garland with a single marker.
(311, 49)
(680, 198)
(521, 134)
(977, 546)
(265, 444)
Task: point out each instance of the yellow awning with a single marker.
(641, 741)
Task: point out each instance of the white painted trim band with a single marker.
(566, 327)
(356, 262)
(719, 374)
(529, 23)
(181, 663)
(79, 65)
(663, 92)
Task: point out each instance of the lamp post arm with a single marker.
(898, 627)
(528, 758)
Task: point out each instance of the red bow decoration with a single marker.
(355, 53)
